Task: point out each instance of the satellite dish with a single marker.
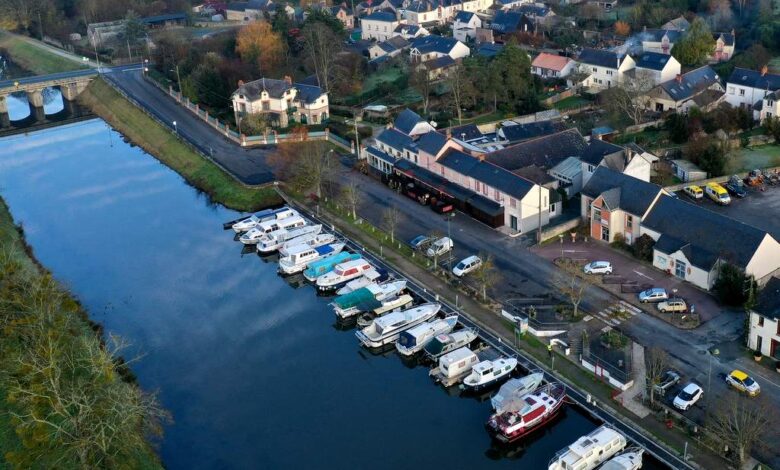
(434, 124)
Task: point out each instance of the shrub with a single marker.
(732, 286)
(643, 247)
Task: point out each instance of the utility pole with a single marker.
(129, 55)
(357, 139)
(539, 237)
(40, 24)
(178, 77)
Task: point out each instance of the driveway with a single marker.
(248, 165)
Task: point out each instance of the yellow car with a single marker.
(743, 382)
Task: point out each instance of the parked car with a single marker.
(467, 265)
(743, 382)
(688, 396)
(735, 187)
(668, 380)
(439, 247)
(673, 306)
(598, 267)
(441, 206)
(421, 242)
(717, 193)
(656, 294)
(694, 192)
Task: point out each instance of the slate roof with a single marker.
(545, 152)
(440, 62)
(533, 10)
(657, 35)
(597, 149)
(385, 16)
(395, 139)
(393, 44)
(407, 29)
(768, 300)
(653, 60)
(382, 155)
(535, 174)
(276, 88)
(728, 38)
(434, 43)
(237, 6)
(431, 142)
(600, 58)
(754, 79)
(464, 16)
(489, 50)
(308, 93)
(621, 191)
(406, 121)
(506, 21)
(531, 130)
(488, 173)
(691, 83)
(466, 132)
(706, 235)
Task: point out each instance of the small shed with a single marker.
(687, 171)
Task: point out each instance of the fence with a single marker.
(565, 227)
(559, 97)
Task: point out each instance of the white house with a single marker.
(432, 47)
(604, 68)
(379, 25)
(659, 40)
(410, 31)
(465, 26)
(747, 88)
(281, 100)
(764, 335)
(657, 67)
(552, 66)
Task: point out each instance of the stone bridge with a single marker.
(71, 84)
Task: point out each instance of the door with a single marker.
(679, 269)
(759, 344)
(513, 222)
(605, 233)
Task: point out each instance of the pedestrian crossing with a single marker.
(615, 314)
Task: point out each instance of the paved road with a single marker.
(248, 165)
(11, 83)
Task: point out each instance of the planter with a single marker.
(757, 356)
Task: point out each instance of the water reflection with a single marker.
(19, 106)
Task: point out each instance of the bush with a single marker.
(620, 243)
(643, 248)
(732, 285)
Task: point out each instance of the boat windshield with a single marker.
(435, 346)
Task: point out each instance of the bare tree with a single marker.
(350, 197)
(630, 97)
(422, 82)
(322, 46)
(572, 284)
(462, 89)
(486, 275)
(390, 220)
(741, 423)
(313, 167)
(657, 361)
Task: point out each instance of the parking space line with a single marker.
(644, 275)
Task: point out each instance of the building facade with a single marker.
(282, 101)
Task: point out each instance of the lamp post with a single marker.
(450, 216)
(146, 66)
(674, 293)
(713, 352)
(175, 128)
(178, 76)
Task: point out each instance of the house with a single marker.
(764, 334)
(656, 68)
(659, 40)
(430, 47)
(692, 242)
(250, 11)
(343, 14)
(600, 153)
(607, 5)
(552, 66)
(677, 24)
(379, 25)
(282, 101)
(614, 204)
(390, 48)
(510, 4)
(411, 123)
(604, 68)
(464, 27)
(724, 47)
(515, 133)
(746, 88)
(410, 31)
(687, 171)
(536, 12)
(699, 88)
(508, 22)
(371, 6)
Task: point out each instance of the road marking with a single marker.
(644, 275)
(587, 318)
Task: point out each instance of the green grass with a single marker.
(774, 64)
(35, 59)
(571, 102)
(163, 145)
(746, 159)
(372, 81)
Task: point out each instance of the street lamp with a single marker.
(713, 352)
(146, 66)
(175, 128)
(674, 293)
(178, 76)
(450, 216)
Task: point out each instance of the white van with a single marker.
(439, 247)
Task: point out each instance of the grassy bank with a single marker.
(35, 59)
(163, 145)
(61, 391)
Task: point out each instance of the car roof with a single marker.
(738, 374)
(693, 187)
(656, 289)
(469, 259)
(691, 387)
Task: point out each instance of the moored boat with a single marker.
(537, 409)
(313, 240)
(371, 277)
(488, 373)
(343, 273)
(247, 223)
(510, 396)
(414, 339)
(298, 257)
(274, 240)
(590, 451)
(386, 329)
(454, 366)
(262, 229)
(631, 459)
(393, 304)
(318, 268)
(446, 343)
(366, 298)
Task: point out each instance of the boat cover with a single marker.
(510, 396)
(354, 298)
(318, 268)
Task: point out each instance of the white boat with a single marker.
(588, 452)
(454, 365)
(274, 240)
(414, 339)
(487, 373)
(250, 222)
(538, 408)
(631, 459)
(386, 329)
(445, 343)
(389, 305)
(510, 396)
(342, 274)
(366, 299)
(367, 279)
(264, 228)
(312, 240)
(300, 256)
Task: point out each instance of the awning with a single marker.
(483, 204)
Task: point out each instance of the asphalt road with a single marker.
(247, 165)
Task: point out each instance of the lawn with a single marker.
(389, 75)
(571, 102)
(35, 59)
(774, 65)
(163, 145)
(746, 159)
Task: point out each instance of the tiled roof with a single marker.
(545, 152)
(754, 79)
(709, 234)
(691, 83)
(551, 61)
(381, 16)
(653, 60)
(395, 139)
(521, 132)
(601, 58)
(406, 121)
(621, 191)
(431, 142)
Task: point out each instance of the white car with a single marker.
(598, 267)
(688, 396)
(439, 247)
(466, 266)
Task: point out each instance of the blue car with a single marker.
(421, 242)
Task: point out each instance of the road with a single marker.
(43, 78)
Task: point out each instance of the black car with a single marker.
(736, 188)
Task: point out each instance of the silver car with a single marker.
(656, 294)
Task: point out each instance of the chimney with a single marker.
(678, 78)
(764, 70)
(240, 83)
(288, 79)
(448, 133)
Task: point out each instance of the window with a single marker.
(660, 260)
(266, 105)
(760, 320)
(552, 207)
(609, 72)
(595, 70)
(512, 202)
(590, 168)
(484, 189)
(741, 92)
(596, 213)
(629, 222)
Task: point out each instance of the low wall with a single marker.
(717, 179)
(565, 227)
(559, 97)
(643, 126)
(604, 374)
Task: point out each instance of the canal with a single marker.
(252, 368)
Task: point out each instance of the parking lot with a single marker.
(759, 208)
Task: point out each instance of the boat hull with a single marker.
(484, 385)
(498, 435)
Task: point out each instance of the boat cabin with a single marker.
(287, 223)
(457, 362)
(352, 268)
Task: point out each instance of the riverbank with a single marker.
(35, 59)
(148, 134)
(53, 362)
